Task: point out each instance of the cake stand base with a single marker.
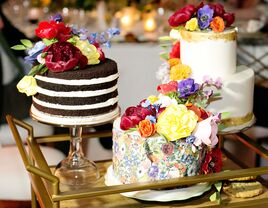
(76, 170)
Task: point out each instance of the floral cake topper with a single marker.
(61, 48)
(211, 16)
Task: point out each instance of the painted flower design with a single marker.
(167, 148)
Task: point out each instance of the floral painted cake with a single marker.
(71, 81)
(174, 134)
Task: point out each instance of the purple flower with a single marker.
(153, 171)
(151, 118)
(218, 83)
(205, 16)
(146, 104)
(190, 139)
(34, 52)
(57, 17)
(187, 87)
(104, 37)
(167, 148)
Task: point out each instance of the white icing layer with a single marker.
(236, 94)
(213, 57)
(74, 121)
(79, 81)
(109, 102)
(76, 93)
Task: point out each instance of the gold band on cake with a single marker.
(229, 35)
(237, 121)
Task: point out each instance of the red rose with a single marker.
(213, 162)
(229, 19)
(175, 51)
(63, 56)
(53, 29)
(132, 117)
(172, 86)
(189, 9)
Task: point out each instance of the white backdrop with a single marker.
(137, 65)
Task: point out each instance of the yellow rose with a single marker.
(152, 99)
(27, 85)
(176, 122)
(179, 72)
(192, 24)
(88, 50)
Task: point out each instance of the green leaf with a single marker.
(33, 71)
(225, 115)
(164, 56)
(27, 43)
(218, 186)
(164, 38)
(49, 42)
(216, 197)
(18, 47)
(43, 70)
(36, 69)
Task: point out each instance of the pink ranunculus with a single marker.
(172, 86)
(229, 18)
(132, 117)
(63, 56)
(206, 132)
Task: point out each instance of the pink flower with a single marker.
(175, 51)
(206, 132)
(63, 56)
(132, 117)
(181, 16)
(167, 88)
(229, 18)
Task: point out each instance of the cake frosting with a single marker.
(214, 55)
(71, 82)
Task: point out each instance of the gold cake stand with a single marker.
(76, 170)
(48, 193)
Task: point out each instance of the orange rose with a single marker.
(146, 128)
(217, 24)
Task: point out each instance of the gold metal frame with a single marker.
(46, 188)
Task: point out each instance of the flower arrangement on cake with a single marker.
(60, 49)
(178, 113)
(210, 16)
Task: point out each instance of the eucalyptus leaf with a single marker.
(225, 115)
(49, 42)
(19, 47)
(27, 43)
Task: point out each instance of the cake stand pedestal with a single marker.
(75, 170)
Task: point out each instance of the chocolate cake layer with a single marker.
(76, 100)
(60, 112)
(67, 88)
(105, 68)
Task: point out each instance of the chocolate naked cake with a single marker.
(71, 81)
